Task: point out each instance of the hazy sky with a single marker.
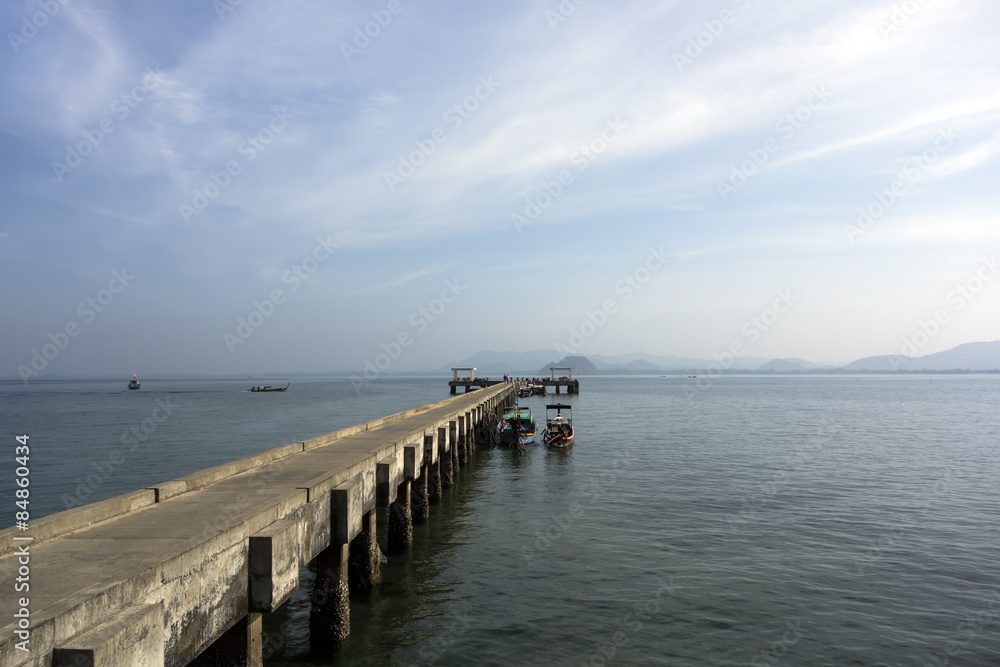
(467, 176)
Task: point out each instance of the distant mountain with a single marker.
(791, 365)
(580, 366)
(655, 361)
(488, 362)
(967, 357)
(641, 365)
(883, 362)
(970, 356)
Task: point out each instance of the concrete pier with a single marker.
(434, 485)
(364, 562)
(163, 574)
(444, 452)
(240, 646)
(420, 505)
(400, 536)
(330, 615)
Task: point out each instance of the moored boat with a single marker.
(268, 388)
(134, 382)
(517, 428)
(558, 427)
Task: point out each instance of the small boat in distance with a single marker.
(268, 388)
(134, 382)
(517, 428)
(558, 428)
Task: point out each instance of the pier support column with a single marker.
(470, 424)
(419, 502)
(444, 455)
(463, 456)
(453, 440)
(364, 563)
(241, 645)
(400, 521)
(330, 615)
(434, 482)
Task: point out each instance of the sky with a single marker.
(237, 187)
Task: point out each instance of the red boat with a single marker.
(558, 428)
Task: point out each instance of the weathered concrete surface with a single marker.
(420, 505)
(434, 487)
(364, 561)
(133, 637)
(240, 645)
(400, 530)
(275, 558)
(330, 615)
(189, 553)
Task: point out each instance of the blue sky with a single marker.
(712, 154)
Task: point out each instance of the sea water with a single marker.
(734, 520)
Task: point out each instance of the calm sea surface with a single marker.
(736, 521)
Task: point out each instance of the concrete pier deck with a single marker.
(155, 577)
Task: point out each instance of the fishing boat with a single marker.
(558, 427)
(517, 428)
(532, 390)
(134, 382)
(268, 388)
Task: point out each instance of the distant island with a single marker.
(966, 358)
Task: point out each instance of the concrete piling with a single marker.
(400, 536)
(444, 454)
(420, 505)
(434, 482)
(364, 562)
(241, 645)
(470, 426)
(463, 455)
(453, 441)
(330, 615)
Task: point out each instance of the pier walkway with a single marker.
(158, 576)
